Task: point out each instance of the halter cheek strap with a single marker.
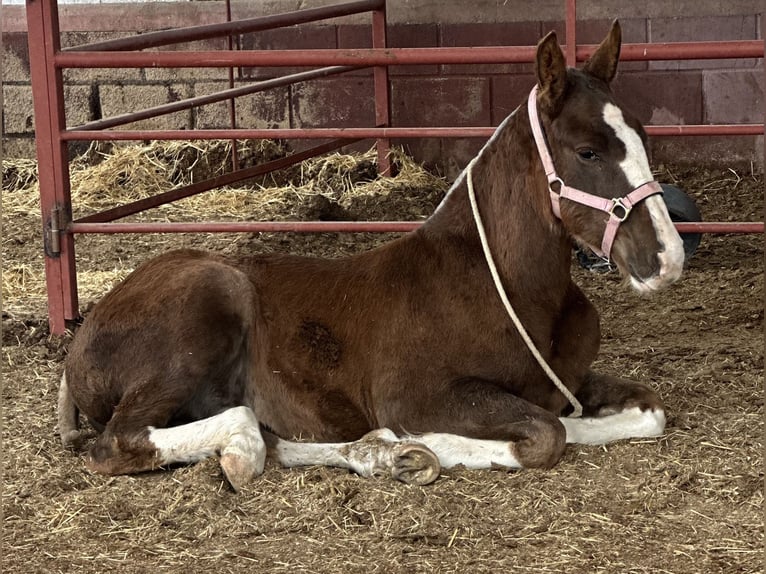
(618, 209)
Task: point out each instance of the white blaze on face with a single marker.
(635, 166)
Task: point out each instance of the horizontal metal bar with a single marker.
(721, 227)
(372, 133)
(213, 98)
(246, 226)
(312, 58)
(341, 226)
(193, 33)
(682, 50)
(208, 184)
(279, 133)
(706, 130)
(391, 56)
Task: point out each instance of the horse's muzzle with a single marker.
(671, 263)
(655, 283)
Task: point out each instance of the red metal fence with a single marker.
(47, 60)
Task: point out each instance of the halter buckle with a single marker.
(618, 204)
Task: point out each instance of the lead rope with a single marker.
(501, 291)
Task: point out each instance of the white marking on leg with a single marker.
(454, 450)
(364, 456)
(291, 454)
(636, 168)
(630, 423)
(378, 453)
(68, 423)
(233, 432)
(451, 450)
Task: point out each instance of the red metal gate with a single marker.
(47, 60)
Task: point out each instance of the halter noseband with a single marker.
(618, 209)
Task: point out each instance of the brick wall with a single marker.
(692, 92)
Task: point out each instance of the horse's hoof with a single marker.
(239, 468)
(415, 464)
(72, 439)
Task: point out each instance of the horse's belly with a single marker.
(299, 405)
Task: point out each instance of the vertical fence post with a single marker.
(53, 165)
(381, 90)
(232, 101)
(571, 25)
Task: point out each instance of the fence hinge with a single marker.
(53, 242)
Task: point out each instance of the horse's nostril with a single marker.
(644, 271)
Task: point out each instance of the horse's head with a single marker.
(599, 148)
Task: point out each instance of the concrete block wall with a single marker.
(691, 92)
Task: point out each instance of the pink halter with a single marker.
(618, 209)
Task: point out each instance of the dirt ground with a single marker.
(688, 502)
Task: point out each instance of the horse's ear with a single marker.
(603, 63)
(551, 74)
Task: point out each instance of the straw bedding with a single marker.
(689, 502)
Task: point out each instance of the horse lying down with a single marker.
(444, 347)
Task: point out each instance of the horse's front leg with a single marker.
(478, 424)
(378, 453)
(614, 409)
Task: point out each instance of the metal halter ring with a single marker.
(625, 210)
(556, 180)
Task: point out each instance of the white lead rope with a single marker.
(501, 291)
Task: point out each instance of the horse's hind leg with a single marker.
(233, 434)
(615, 409)
(378, 453)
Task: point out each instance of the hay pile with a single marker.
(102, 179)
(338, 186)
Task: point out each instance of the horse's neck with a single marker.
(527, 243)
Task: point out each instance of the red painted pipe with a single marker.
(308, 58)
(707, 130)
(189, 103)
(53, 167)
(391, 56)
(683, 50)
(193, 33)
(342, 226)
(373, 133)
(246, 226)
(280, 133)
(381, 89)
(570, 32)
(720, 227)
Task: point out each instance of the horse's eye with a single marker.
(587, 154)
